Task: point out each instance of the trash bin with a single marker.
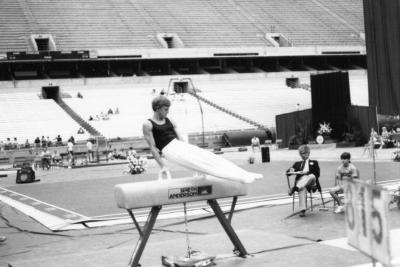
(265, 154)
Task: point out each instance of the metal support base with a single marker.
(228, 228)
(144, 236)
(151, 219)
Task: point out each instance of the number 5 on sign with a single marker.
(379, 225)
(366, 219)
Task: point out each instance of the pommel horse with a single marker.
(157, 193)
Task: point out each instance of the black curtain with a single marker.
(364, 118)
(290, 124)
(382, 32)
(243, 137)
(330, 95)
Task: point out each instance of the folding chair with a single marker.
(310, 190)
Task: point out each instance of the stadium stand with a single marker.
(14, 32)
(26, 117)
(134, 108)
(307, 23)
(265, 104)
(91, 25)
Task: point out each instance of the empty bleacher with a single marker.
(14, 30)
(261, 105)
(25, 116)
(102, 24)
(307, 23)
(134, 107)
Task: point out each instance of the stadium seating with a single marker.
(307, 23)
(25, 116)
(15, 27)
(102, 24)
(261, 105)
(135, 107)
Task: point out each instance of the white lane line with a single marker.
(50, 221)
(44, 218)
(42, 202)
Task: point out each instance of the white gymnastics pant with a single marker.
(204, 161)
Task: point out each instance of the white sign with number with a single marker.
(367, 208)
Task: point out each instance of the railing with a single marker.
(89, 128)
(234, 114)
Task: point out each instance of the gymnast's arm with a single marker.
(148, 136)
(177, 131)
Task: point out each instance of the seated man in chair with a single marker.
(307, 173)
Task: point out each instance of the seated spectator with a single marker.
(121, 154)
(116, 110)
(110, 112)
(307, 172)
(116, 154)
(79, 95)
(90, 118)
(346, 171)
(111, 154)
(81, 131)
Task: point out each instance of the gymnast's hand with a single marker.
(164, 172)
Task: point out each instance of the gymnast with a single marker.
(164, 140)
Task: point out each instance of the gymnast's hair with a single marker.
(159, 102)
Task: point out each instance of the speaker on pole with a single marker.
(265, 154)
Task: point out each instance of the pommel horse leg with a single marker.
(144, 235)
(228, 227)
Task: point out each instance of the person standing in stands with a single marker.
(37, 144)
(89, 146)
(72, 140)
(59, 140)
(27, 144)
(15, 144)
(44, 143)
(70, 149)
